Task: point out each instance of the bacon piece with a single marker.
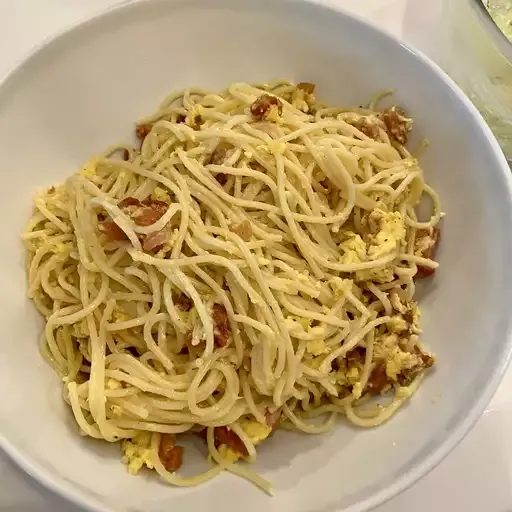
(355, 356)
(142, 130)
(170, 455)
(225, 436)
(427, 241)
(184, 350)
(182, 301)
(426, 359)
(221, 178)
(219, 154)
(154, 242)
(378, 380)
(133, 351)
(409, 374)
(150, 211)
(112, 231)
(273, 419)
(303, 96)
(221, 328)
(143, 213)
(128, 201)
(397, 124)
(82, 377)
(408, 317)
(216, 158)
(198, 121)
(243, 230)
(307, 87)
(370, 126)
(264, 105)
(154, 203)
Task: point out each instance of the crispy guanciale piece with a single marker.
(142, 129)
(266, 105)
(182, 301)
(406, 376)
(370, 126)
(143, 213)
(243, 230)
(221, 328)
(225, 436)
(170, 455)
(273, 419)
(398, 125)
(219, 154)
(307, 87)
(355, 356)
(378, 380)
(427, 241)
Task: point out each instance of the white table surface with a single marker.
(477, 476)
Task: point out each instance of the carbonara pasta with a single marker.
(250, 265)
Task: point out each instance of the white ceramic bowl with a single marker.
(82, 92)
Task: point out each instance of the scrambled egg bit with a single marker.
(354, 249)
(391, 232)
(113, 384)
(384, 345)
(89, 169)
(116, 410)
(387, 232)
(348, 375)
(409, 311)
(255, 431)
(415, 313)
(377, 275)
(274, 115)
(293, 322)
(61, 248)
(119, 316)
(340, 286)
(387, 349)
(273, 148)
(397, 324)
(227, 453)
(353, 375)
(399, 360)
(303, 96)
(137, 452)
(316, 347)
(160, 194)
(312, 361)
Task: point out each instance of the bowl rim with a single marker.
(500, 40)
(63, 488)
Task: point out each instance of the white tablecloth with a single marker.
(476, 477)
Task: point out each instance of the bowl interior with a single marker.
(495, 24)
(83, 92)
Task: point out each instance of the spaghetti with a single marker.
(252, 265)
